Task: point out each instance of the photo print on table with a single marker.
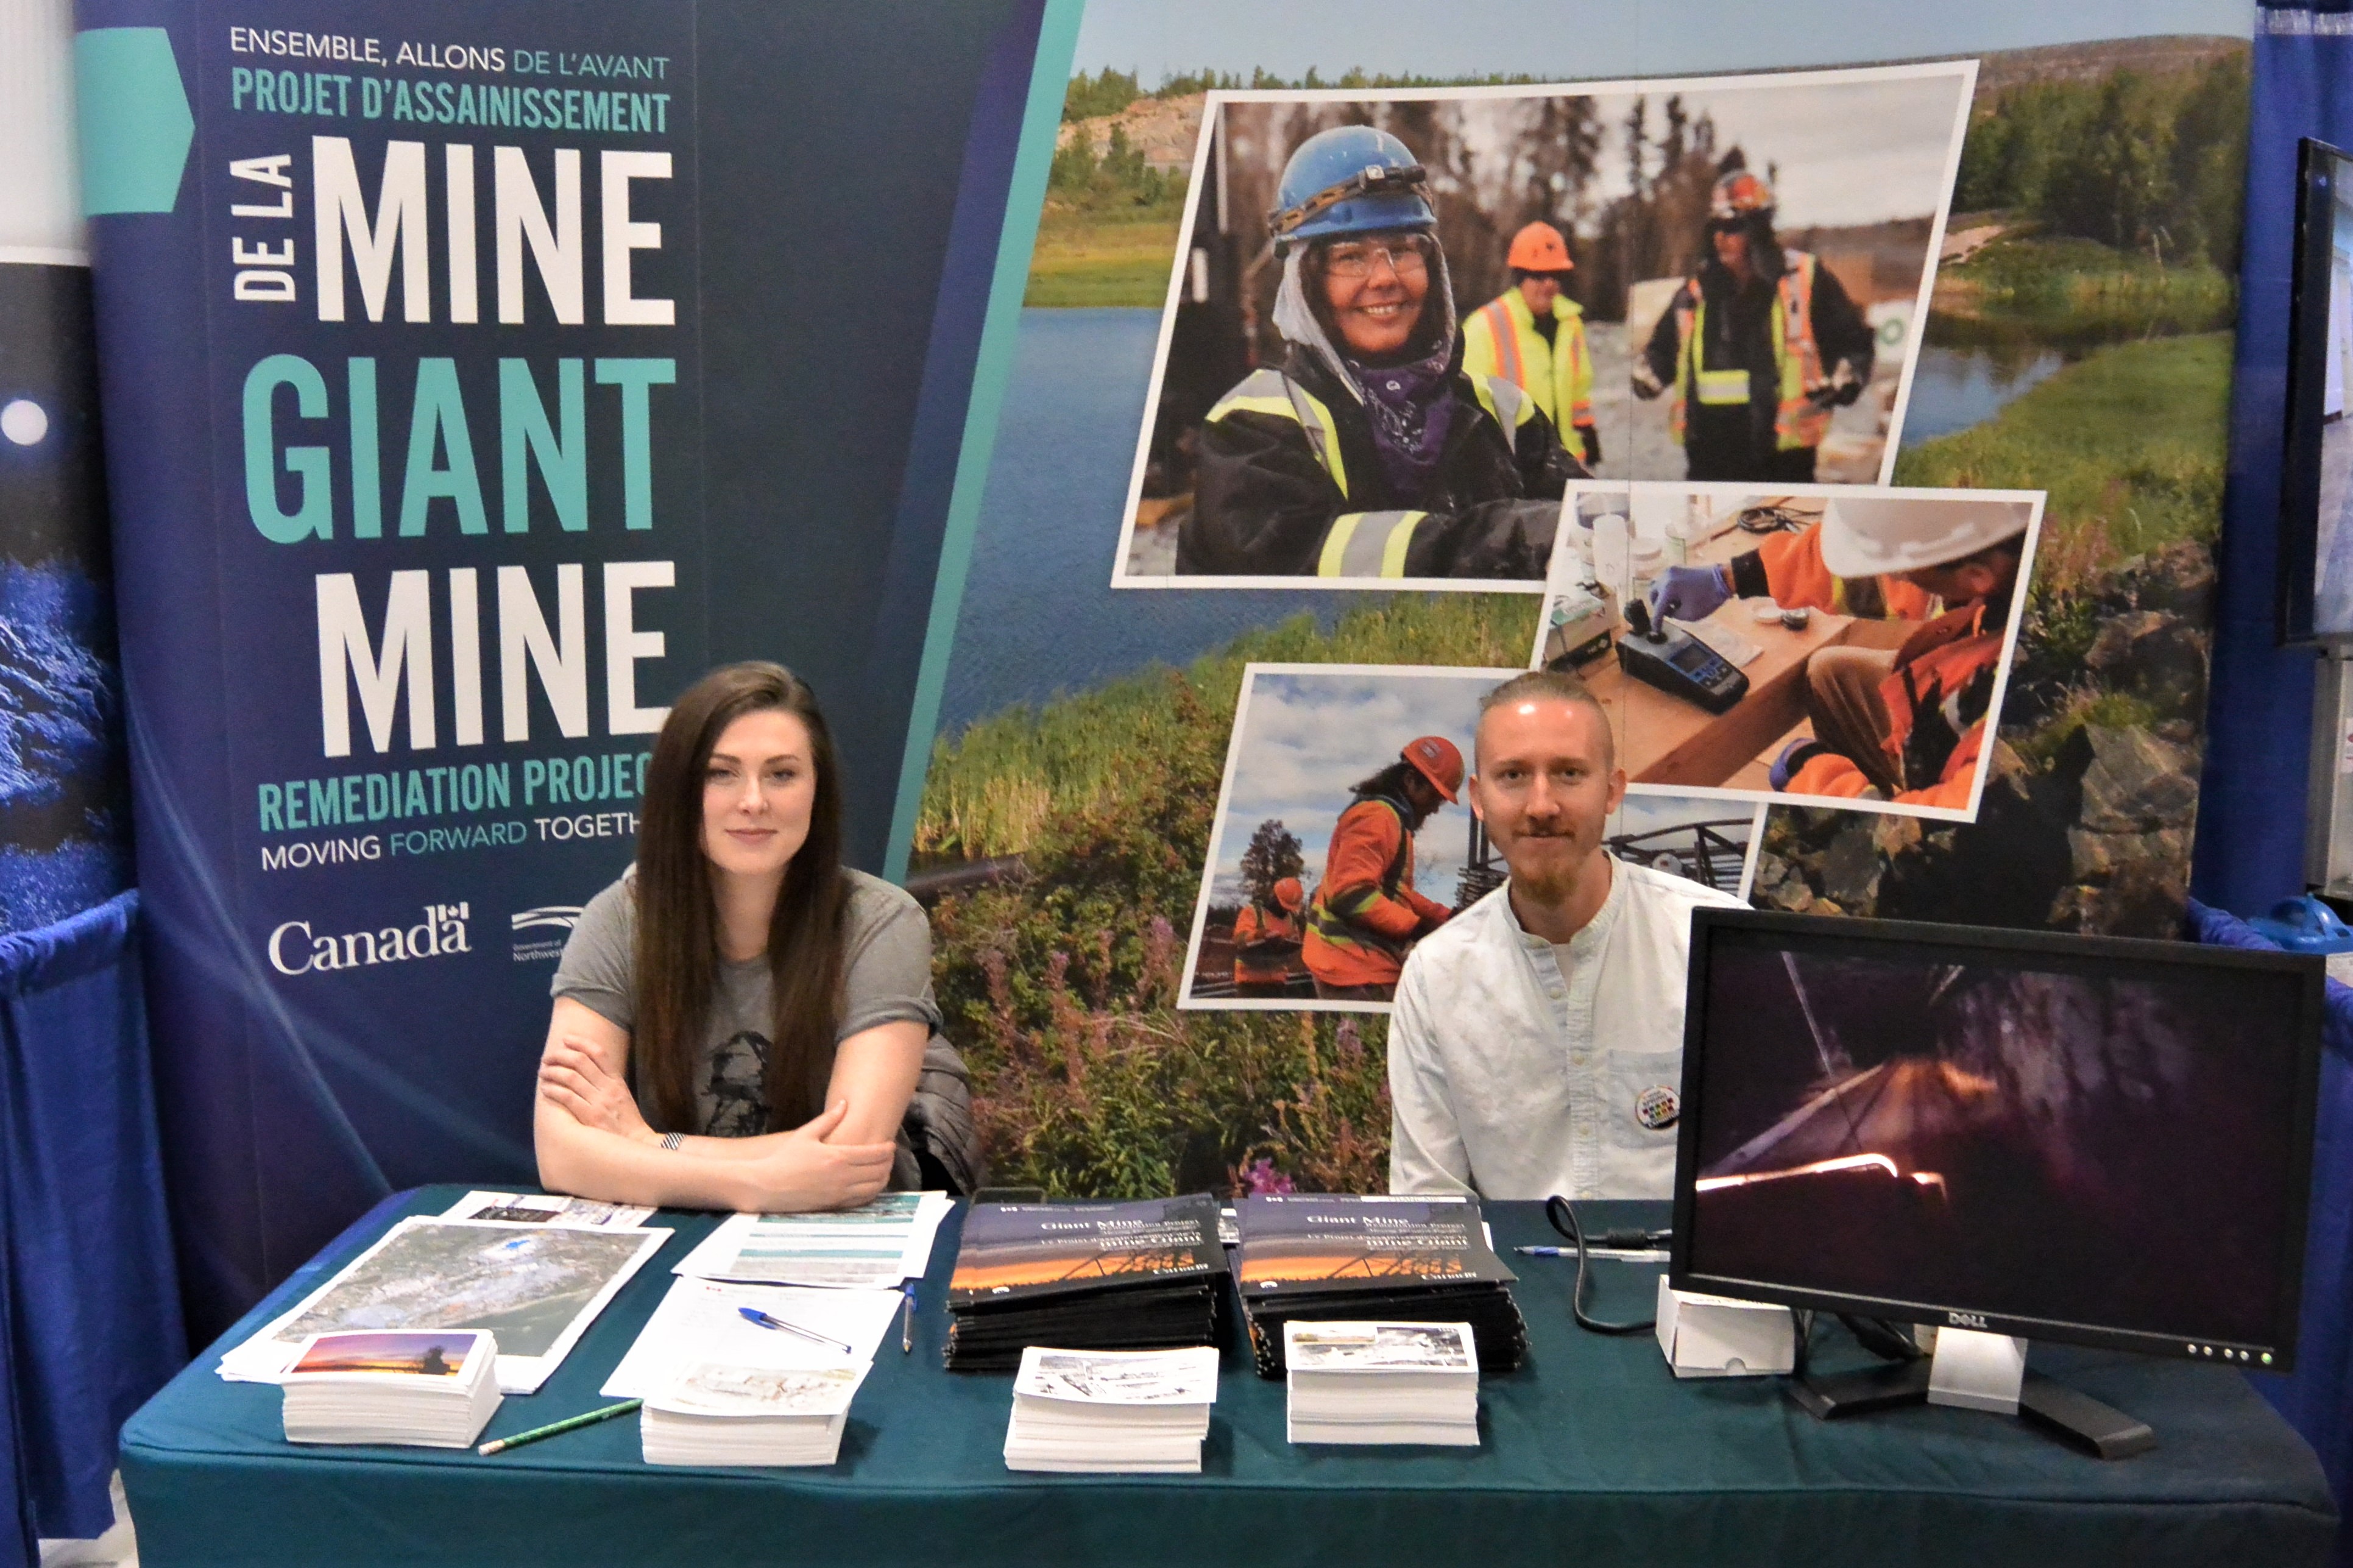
(1824, 646)
(1352, 385)
(392, 1353)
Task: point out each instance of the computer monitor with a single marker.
(2024, 1133)
(2315, 545)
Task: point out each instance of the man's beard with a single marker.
(1557, 873)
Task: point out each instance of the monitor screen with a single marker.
(2315, 564)
(2056, 1137)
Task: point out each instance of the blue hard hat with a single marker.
(1351, 179)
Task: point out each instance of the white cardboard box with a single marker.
(1715, 1336)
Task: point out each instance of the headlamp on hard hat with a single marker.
(1370, 180)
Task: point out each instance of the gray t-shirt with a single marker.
(887, 977)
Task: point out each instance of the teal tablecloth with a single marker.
(1593, 1453)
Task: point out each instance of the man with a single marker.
(1267, 936)
(1911, 725)
(1759, 347)
(1533, 335)
(1537, 1044)
(1366, 916)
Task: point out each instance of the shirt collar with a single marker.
(1595, 931)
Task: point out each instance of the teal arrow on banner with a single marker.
(135, 120)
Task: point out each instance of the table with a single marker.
(1665, 739)
(1593, 1454)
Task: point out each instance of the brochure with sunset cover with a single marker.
(1318, 1257)
(1330, 1242)
(1141, 1276)
(1018, 1251)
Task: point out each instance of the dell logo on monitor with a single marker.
(1965, 1320)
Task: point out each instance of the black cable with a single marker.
(1882, 1337)
(1563, 1220)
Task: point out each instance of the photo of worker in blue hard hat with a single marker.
(1368, 453)
(1379, 306)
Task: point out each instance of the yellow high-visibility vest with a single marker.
(1797, 421)
(1501, 339)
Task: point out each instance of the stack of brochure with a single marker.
(1382, 1382)
(726, 1413)
(434, 1390)
(1111, 1412)
(1311, 1257)
(751, 1374)
(1094, 1277)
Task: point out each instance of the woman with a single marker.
(740, 1021)
(1370, 454)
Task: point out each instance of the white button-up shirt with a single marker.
(1520, 1070)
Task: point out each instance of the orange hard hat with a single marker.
(1539, 247)
(1290, 894)
(1435, 757)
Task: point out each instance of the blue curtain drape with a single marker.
(2250, 846)
(2317, 1397)
(90, 1301)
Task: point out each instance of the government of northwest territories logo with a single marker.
(296, 948)
(540, 932)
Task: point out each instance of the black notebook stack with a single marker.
(1084, 1277)
(1317, 1257)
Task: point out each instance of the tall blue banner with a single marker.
(477, 373)
(2250, 824)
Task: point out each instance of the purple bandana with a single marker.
(1410, 409)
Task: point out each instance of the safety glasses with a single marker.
(1356, 258)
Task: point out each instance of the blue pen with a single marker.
(1547, 1251)
(907, 1318)
(754, 1314)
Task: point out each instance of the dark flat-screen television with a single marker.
(2316, 553)
(2052, 1137)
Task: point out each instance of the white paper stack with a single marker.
(725, 1413)
(1113, 1412)
(874, 1246)
(434, 1389)
(1382, 1382)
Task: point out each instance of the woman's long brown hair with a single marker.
(678, 928)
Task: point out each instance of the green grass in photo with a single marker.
(2130, 442)
(993, 788)
(1084, 259)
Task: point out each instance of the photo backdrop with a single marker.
(2076, 343)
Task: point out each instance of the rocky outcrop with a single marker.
(1164, 130)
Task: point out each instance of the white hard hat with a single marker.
(1864, 536)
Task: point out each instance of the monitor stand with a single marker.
(1976, 1371)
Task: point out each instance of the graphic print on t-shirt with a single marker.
(735, 1099)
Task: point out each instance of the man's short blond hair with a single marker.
(1552, 686)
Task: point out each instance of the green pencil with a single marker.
(552, 1427)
